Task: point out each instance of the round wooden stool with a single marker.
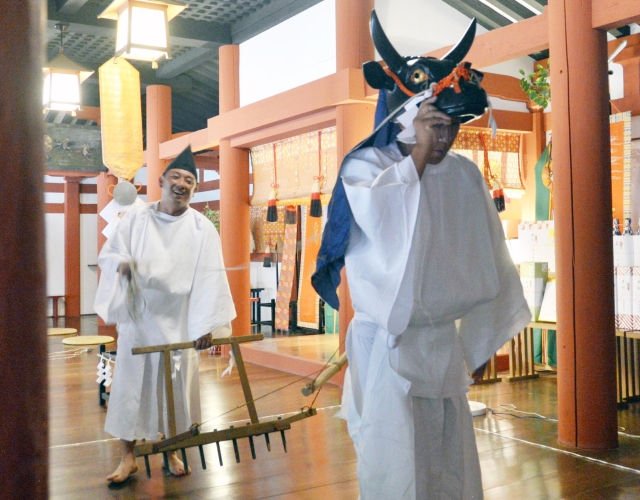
(61, 331)
(88, 340)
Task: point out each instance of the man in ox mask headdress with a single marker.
(163, 281)
(434, 290)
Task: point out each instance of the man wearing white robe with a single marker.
(163, 281)
(426, 250)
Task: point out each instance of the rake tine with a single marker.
(148, 467)
(218, 447)
(284, 441)
(235, 449)
(204, 462)
(166, 461)
(266, 438)
(184, 459)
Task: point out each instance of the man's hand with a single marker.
(433, 135)
(125, 269)
(479, 373)
(204, 342)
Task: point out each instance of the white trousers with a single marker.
(408, 448)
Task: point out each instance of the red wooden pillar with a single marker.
(354, 122)
(587, 411)
(23, 391)
(158, 131)
(72, 246)
(235, 215)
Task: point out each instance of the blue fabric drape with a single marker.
(335, 237)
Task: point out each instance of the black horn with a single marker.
(382, 44)
(457, 54)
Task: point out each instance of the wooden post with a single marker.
(158, 131)
(587, 414)
(235, 215)
(23, 392)
(354, 122)
(72, 245)
(353, 48)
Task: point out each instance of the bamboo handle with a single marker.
(326, 374)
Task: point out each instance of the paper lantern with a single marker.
(121, 118)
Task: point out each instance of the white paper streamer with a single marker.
(229, 369)
(177, 357)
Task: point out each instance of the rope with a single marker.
(460, 72)
(274, 184)
(323, 369)
(316, 373)
(263, 396)
(319, 177)
(488, 174)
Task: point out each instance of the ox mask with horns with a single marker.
(459, 95)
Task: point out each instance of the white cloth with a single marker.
(422, 254)
(185, 294)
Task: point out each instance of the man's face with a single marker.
(446, 137)
(178, 187)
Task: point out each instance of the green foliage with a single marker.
(213, 216)
(536, 85)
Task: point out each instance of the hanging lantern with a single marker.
(142, 31)
(62, 79)
(121, 115)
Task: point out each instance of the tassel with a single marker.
(267, 257)
(272, 210)
(290, 215)
(316, 205)
(498, 198)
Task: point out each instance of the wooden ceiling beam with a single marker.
(611, 14)
(507, 43)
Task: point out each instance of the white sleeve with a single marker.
(110, 299)
(488, 326)
(384, 203)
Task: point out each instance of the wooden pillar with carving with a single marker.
(72, 245)
(158, 131)
(235, 212)
(23, 392)
(587, 413)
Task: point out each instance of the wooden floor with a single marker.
(520, 457)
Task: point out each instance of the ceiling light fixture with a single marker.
(62, 79)
(142, 32)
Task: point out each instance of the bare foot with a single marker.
(126, 468)
(176, 467)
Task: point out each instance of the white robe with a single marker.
(422, 254)
(181, 277)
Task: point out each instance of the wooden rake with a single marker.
(193, 437)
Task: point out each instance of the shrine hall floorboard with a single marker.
(520, 457)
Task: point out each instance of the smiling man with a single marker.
(163, 281)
